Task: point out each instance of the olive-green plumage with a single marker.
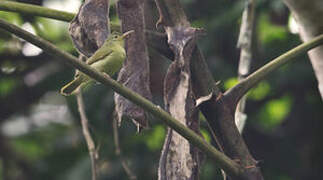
(108, 59)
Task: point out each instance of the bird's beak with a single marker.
(126, 34)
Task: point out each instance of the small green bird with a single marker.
(108, 59)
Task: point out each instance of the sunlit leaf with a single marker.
(31, 149)
(66, 46)
(11, 17)
(156, 138)
(201, 117)
(257, 93)
(52, 30)
(269, 32)
(275, 111)
(229, 83)
(206, 135)
(7, 85)
(260, 91)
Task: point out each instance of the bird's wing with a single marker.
(98, 55)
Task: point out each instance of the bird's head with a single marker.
(116, 36)
(126, 34)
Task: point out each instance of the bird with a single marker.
(108, 59)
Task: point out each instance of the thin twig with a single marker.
(223, 161)
(87, 135)
(245, 43)
(125, 166)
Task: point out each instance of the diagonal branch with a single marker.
(226, 104)
(308, 15)
(224, 162)
(236, 92)
(35, 10)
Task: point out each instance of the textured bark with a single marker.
(179, 160)
(229, 136)
(308, 15)
(89, 28)
(135, 71)
(172, 15)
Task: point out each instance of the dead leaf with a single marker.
(90, 27)
(179, 158)
(135, 71)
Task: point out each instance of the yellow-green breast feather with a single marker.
(108, 59)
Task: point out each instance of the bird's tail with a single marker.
(71, 87)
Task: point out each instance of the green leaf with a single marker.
(155, 140)
(7, 84)
(260, 91)
(274, 112)
(269, 32)
(206, 135)
(11, 17)
(29, 148)
(229, 83)
(52, 30)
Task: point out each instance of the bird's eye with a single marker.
(116, 36)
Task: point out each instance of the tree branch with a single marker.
(236, 92)
(35, 10)
(226, 104)
(224, 162)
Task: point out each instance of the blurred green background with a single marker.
(40, 132)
